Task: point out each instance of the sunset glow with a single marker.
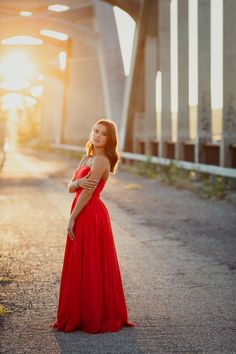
(12, 101)
(36, 91)
(22, 40)
(16, 70)
(126, 29)
(54, 34)
(62, 60)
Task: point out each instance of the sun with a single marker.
(16, 71)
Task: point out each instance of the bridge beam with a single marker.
(164, 65)
(204, 125)
(229, 81)
(183, 105)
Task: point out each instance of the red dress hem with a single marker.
(67, 329)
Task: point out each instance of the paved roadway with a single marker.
(177, 254)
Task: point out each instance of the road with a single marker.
(177, 254)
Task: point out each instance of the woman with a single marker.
(91, 293)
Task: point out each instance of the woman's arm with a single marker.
(100, 164)
(72, 185)
(83, 182)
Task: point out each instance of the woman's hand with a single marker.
(87, 184)
(70, 227)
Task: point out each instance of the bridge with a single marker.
(165, 72)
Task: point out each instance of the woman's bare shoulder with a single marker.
(102, 160)
(101, 163)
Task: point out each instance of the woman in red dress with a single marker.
(91, 295)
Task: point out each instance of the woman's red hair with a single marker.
(111, 145)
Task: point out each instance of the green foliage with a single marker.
(5, 280)
(214, 187)
(204, 183)
(4, 310)
(171, 173)
(147, 168)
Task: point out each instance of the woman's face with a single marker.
(99, 136)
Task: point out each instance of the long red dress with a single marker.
(91, 295)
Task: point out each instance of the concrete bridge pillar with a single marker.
(204, 133)
(150, 69)
(229, 81)
(52, 110)
(150, 91)
(85, 103)
(183, 105)
(164, 65)
(110, 61)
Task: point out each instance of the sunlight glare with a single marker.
(13, 86)
(58, 8)
(40, 77)
(174, 54)
(158, 105)
(126, 29)
(22, 40)
(54, 34)
(37, 91)
(17, 70)
(158, 92)
(29, 101)
(25, 13)
(62, 60)
(217, 54)
(11, 101)
(193, 52)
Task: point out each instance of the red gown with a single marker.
(91, 295)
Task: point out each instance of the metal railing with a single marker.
(196, 167)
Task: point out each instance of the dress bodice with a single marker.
(83, 171)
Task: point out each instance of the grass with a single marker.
(4, 310)
(214, 187)
(5, 280)
(131, 186)
(207, 185)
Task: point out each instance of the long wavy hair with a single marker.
(111, 145)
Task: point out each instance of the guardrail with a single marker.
(196, 167)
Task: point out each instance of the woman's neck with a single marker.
(99, 152)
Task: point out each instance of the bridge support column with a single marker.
(110, 61)
(204, 130)
(150, 71)
(84, 94)
(229, 81)
(51, 110)
(183, 105)
(164, 65)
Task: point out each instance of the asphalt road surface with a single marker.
(177, 255)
